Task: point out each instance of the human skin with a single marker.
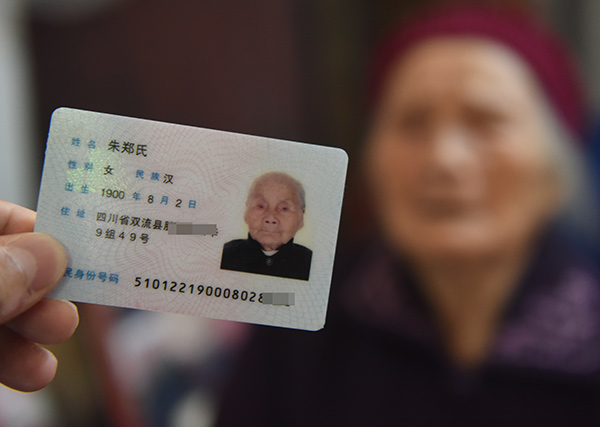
(461, 178)
(457, 157)
(31, 264)
(273, 214)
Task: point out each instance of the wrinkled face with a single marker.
(273, 214)
(456, 157)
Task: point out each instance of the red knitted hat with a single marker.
(547, 57)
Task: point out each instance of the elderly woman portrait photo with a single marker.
(274, 214)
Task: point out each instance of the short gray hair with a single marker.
(280, 177)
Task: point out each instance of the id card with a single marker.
(179, 219)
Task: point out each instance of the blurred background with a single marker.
(290, 69)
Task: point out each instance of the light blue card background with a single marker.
(212, 168)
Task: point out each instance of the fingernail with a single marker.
(41, 258)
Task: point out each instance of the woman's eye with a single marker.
(412, 121)
(485, 119)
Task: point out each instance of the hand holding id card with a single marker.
(179, 219)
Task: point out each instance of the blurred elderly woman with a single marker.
(474, 307)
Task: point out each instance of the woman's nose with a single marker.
(270, 217)
(451, 149)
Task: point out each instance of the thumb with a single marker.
(31, 264)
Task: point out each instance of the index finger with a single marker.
(15, 219)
